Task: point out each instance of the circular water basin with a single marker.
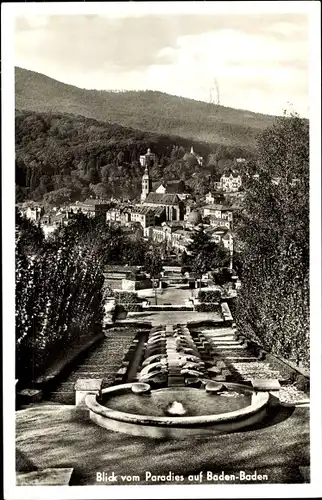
(195, 402)
(177, 411)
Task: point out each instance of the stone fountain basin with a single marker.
(123, 411)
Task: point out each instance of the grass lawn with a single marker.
(176, 294)
(56, 436)
(170, 318)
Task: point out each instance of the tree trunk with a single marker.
(155, 292)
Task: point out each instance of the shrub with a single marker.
(130, 307)
(206, 307)
(119, 309)
(129, 300)
(209, 296)
(126, 298)
(302, 383)
(186, 269)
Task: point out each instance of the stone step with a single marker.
(174, 381)
(229, 346)
(221, 336)
(247, 359)
(231, 342)
(45, 477)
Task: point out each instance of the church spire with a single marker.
(145, 184)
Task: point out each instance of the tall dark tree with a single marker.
(273, 305)
(205, 254)
(153, 265)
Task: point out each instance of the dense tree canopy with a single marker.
(62, 158)
(60, 285)
(204, 254)
(274, 228)
(153, 263)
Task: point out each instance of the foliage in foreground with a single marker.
(273, 304)
(60, 287)
(58, 299)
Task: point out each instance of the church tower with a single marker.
(145, 184)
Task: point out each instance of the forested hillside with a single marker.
(62, 157)
(145, 110)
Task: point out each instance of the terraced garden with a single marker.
(53, 435)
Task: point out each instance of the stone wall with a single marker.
(131, 285)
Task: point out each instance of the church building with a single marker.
(170, 201)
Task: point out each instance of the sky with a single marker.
(247, 61)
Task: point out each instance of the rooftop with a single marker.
(219, 229)
(162, 199)
(173, 186)
(173, 223)
(145, 210)
(216, 206)
(231, 173)
(93, 202)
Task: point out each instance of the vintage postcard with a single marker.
(161, 200)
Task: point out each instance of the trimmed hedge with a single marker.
(129, 300)
(209, 296)
(207, 307)
(126, 297)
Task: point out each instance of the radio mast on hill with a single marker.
(214, 97)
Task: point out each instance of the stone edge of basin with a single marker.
(259, 401)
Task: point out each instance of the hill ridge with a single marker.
(146, 110)
(151, 91)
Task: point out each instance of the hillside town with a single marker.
(167, 212)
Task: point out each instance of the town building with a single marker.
(228, 241)
(190, 205)
(148, 159)
(181, 239)
(34, 213)
(230, 182)
(214, 197)
(193, 155)
(210, 198)
(218, 222)
(193, 219)
(121, 215)
(218, 211)
(172, 187)
(217, 183)
(90, 207)
(148, 216)
(167, 194)
(171, 234)
(133, 229)
(174, 207)
(51, 221)
(221, 234)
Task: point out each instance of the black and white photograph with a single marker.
(161, 176)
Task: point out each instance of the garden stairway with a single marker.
(102, 361)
